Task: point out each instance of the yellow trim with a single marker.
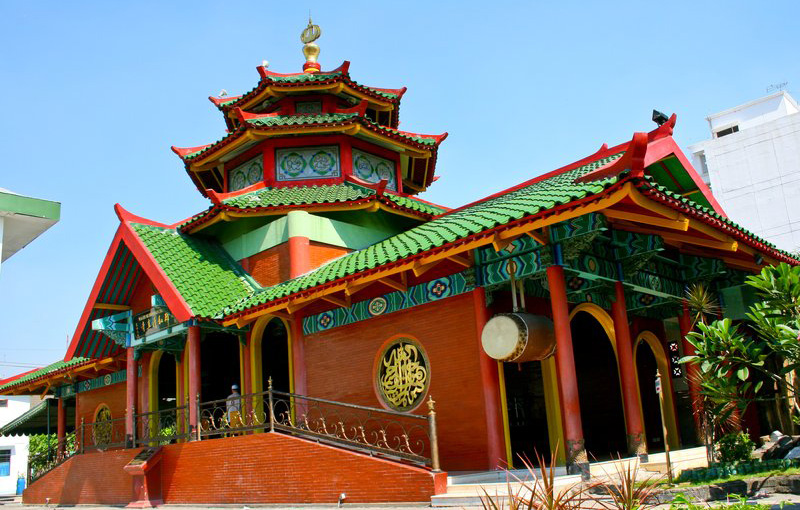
(504, 410)
(465, 247)
(603, 318)
(678, 224)
(111, 306)
(256, 372)
(657, 349)
(552, 404)
(152, 380)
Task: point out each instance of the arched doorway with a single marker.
(163, 381)
(219, 362)
(271, 355)
(599, 389)
(649, 356)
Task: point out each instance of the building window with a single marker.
(307, 163)
(3, 402)
(5, 462)
(727, 131)
(308, 107)
(246, 174)
(374, 169)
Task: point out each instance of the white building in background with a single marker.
(752, 164)
(13, 449)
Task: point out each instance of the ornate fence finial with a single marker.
(431, 404)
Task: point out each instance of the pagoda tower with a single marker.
(305, 156)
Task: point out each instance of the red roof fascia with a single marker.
(175, 302)
(343, 68)
(184, 151)
(98, 283)
(13, 378)
(633, 159)
(222, 99)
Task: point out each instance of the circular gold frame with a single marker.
(402, 374)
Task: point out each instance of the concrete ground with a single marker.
(789, 501)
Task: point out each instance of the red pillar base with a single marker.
(145, 469)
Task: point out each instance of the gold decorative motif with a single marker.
(403, 375)
(101, 430)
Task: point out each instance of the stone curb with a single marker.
(777, 484)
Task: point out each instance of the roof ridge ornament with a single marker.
(310, 50)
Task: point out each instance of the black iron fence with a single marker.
(161, 427)
(392, 434)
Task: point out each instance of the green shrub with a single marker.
(735, 447)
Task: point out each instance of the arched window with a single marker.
(101, 428)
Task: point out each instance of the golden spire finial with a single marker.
(311, 51)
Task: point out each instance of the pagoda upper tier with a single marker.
(312, 128)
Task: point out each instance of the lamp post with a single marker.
(663, 424)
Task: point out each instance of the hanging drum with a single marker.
(518, 337)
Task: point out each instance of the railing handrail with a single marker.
(162, 411)
(315, 399)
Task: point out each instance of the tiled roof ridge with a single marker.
(389, 198)
(425, 141)
(650, 188)
(605, 189)
(48, 370)
(340, 73)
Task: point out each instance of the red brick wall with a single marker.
(276, 468)
(91, 478)
(113, 396)
(340, 366)
(319, 253)
(269, 267)
(259, 468)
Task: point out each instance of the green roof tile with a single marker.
(42, 372)
(202, 272)
(299, 120)
(490, 213)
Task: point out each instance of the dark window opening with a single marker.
(5, 462)
(527, 412)
(727, 131)
(167, 387)
(646, 367)
(598, 389)
(275, 356)
(219, 361)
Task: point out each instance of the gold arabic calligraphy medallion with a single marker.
(403, 375)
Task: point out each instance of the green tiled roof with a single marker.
(305, 120)
(42, 372)
(297, 120)
(325, 194)
(528, 200)
(202, 272)
(651, 183)
(304, 195)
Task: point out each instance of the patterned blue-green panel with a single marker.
(522, 266)
(92, 384)
(520, 245)
(701, 267)
(579, 226)
(659, 278)
(427, 292)
(632, 243)
(589, 264)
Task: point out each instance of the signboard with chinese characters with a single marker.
(152, 321)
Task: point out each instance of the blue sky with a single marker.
(94, 94)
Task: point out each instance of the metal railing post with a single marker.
(269, 400)
(83, 435)
(433, 437)
(133, 429)
(199, 421)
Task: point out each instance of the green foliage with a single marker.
(736, 362)
(40, 454)
(735, 447)
(683, 502)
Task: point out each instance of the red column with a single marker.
(692, 374)
(298, 356)
(567, 379)
(131, 396)
(299, 244)
(193, 344)
(491, 388)
(633, 412)
(62, 428)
